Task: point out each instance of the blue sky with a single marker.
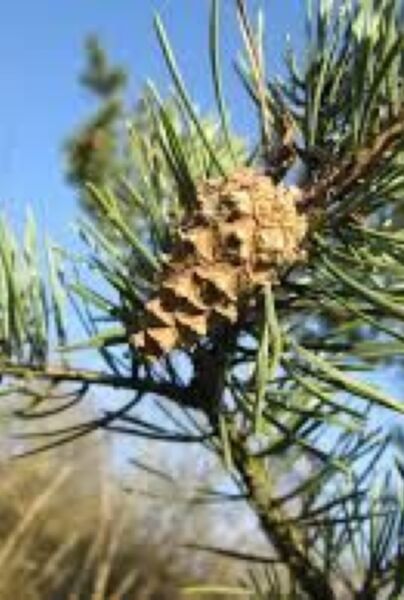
(40, 103)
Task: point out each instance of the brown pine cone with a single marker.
(243, 232)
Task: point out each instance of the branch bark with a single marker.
(282, 535)
(343, 178)
(260, 490)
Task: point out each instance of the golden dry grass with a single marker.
(70, 530)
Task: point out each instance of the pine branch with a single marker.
(55, 375)
(343, 178)
(260, 491)
(284, 536)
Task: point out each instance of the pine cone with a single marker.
(243, 232)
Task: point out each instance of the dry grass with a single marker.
(70, 531)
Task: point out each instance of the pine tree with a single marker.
(279, 302)
(93, 152)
